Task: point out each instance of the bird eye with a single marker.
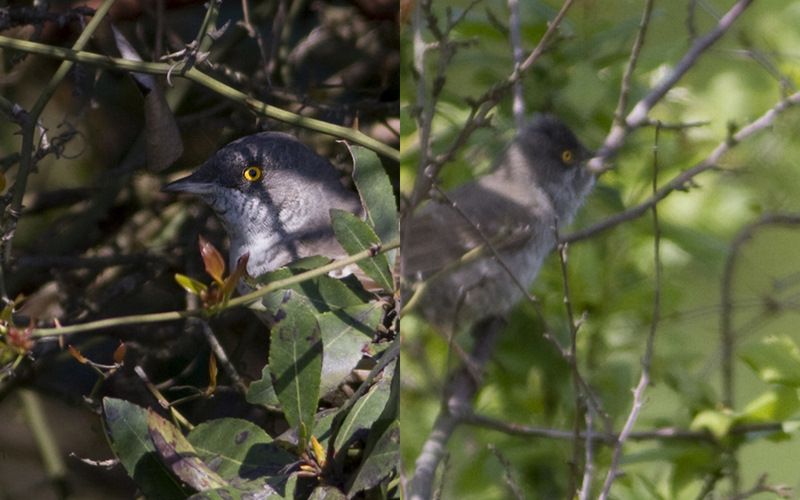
(567, 156)
(253, 174)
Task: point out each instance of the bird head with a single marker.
(557, 160)
(272, 193)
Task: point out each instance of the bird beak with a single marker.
(189, 184)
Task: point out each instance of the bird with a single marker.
(472, 254)
(273, 195)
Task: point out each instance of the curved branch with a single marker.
(210, 83)
(244, 300)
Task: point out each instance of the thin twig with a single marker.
(162, 401)
(572, 360)
(638, 115)
(512, 484)
(489, 245)
(537, 52)
(638, 43)
(588, 467)
(684, 179)
(29, 128)
(244, 300)
(210, 83)
(479, 111)
(253, 33)
(610, 438)
(221, 355)
(644, 379)
(518, 102)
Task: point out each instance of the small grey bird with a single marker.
(539, 181)
(274, 196)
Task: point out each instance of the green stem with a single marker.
(238, 301)
(201, 78)
(43, 435)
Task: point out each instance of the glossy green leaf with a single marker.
(355, 236)
(190, 285)
(261, 392)
(322, 293)
(345, 334)
(366, 411)
(180, 456)
(126, 424)
(240, 450)
(295, 360)
(382, 461)
(376, 193)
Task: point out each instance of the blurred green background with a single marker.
(612, 274)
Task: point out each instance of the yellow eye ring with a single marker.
(566, 156)
(253, 173)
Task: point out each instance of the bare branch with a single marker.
(684, 179)
(518, 104)
(638, 116)
(457, 405)
(625, 88)
(644, 378)
(610, 438)
(572, 360)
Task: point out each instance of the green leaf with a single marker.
(261, 391)
(775, 359)
(257, 489)
(240, 450)
(365, 411)
(778, 403)
(376, 193)
(322, 293)
(190, 285)
(321, 430)
(718, 423)
(322, 425)
(345, 333)
(295, 359)
(355, 236)
(126, 424)
(383, 460)
(324, 492)
(180, 456)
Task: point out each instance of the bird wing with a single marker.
(440, 235)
